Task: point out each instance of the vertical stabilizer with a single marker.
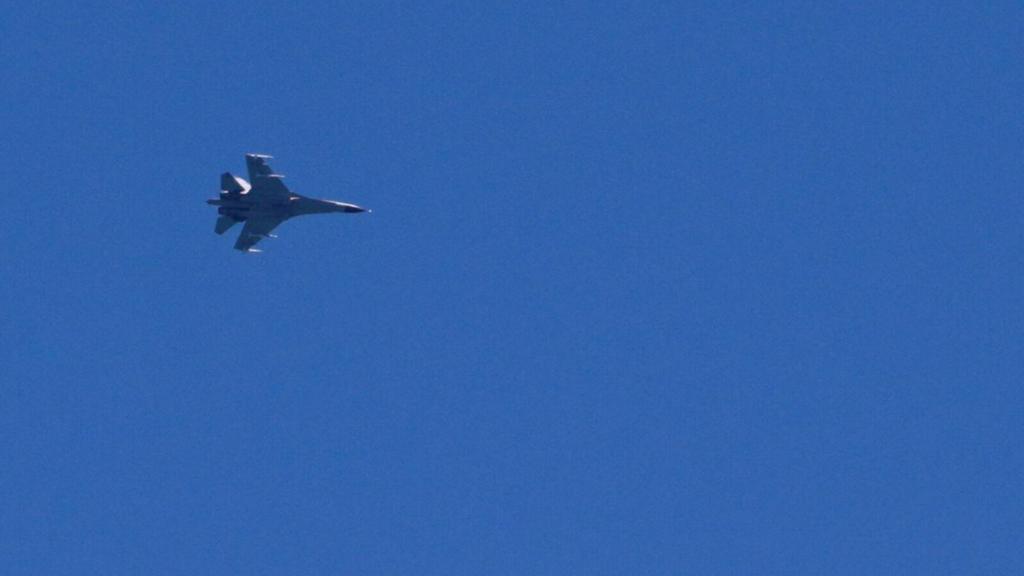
(223, 223)
(233, 184)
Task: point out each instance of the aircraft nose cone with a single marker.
(354, 208)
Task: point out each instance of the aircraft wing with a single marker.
(256, 229)
(266, 185)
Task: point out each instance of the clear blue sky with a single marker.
(648, 288)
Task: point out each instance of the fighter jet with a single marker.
(264, 204)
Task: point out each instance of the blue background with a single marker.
(716, 288)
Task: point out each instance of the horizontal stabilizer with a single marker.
(233, 184)
(223, 223)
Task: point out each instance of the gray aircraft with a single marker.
(264, 204)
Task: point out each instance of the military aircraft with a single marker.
(264, 204)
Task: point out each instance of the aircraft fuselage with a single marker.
(240, 208)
